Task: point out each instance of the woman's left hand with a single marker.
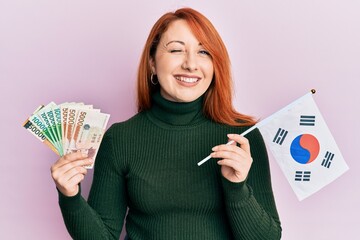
(236, 161)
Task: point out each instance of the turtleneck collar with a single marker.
(177, 113)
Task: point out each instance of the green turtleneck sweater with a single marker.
(148, 164)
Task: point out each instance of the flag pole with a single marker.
(263, 122)
(228, 143)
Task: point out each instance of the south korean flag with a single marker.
(303, 146)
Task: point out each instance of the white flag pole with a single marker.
(265, 121)
(230, 142)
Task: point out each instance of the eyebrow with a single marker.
(175, 41)
(178, 41)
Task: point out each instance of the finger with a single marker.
(226, 154)
(231, 142)
(74, 156)
(230, 148)
(69, 158)
(75, 180)
(241, 167)
(243, 141)
(238, 173)
(244, 158)
(64, 179)
(58, 172)
(236, 166)
(73, 172)
(71, 187)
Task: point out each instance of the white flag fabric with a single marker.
(303, 146)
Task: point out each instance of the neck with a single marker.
(177, 113)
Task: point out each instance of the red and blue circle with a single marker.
(305, 148)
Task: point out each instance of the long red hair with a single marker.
(218, 98)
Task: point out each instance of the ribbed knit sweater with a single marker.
(148, 165)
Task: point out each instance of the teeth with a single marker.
(187, 80)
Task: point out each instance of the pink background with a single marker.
(89, 50)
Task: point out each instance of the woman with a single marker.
(148, 164)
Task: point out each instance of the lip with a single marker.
(187, 80)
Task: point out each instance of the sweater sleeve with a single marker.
(102, 216)
(250, 205)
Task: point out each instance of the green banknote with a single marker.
(68, 127)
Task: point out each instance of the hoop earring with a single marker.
(152, 80)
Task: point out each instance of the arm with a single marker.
(249, 201)
(102, 216)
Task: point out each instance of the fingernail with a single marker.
(214, 148)
(84, 155)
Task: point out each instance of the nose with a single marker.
(190, 62)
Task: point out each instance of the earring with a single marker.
(152, 80)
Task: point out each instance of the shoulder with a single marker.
(131, 122)
(131, 126)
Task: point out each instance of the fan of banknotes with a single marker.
(69, 127)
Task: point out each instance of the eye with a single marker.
(176, 51)
(204, 52)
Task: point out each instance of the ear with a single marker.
(152, 65)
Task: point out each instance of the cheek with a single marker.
(208, 69)
(167, 64)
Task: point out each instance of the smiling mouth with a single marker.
(187, 79)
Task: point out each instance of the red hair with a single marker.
(218, 98)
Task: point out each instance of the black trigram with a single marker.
(302, 176)
(326, 162)
(307, 120)
(280, 136)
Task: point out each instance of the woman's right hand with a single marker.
(68, 171)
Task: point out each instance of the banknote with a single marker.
(68, 127)
(69, 124)
(43, 124)
(64, 109)
(51, 116)
(34, 130)
(39, 135)
(56, 112)
(88, 132)
(47, 117)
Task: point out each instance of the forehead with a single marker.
(179, 30)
